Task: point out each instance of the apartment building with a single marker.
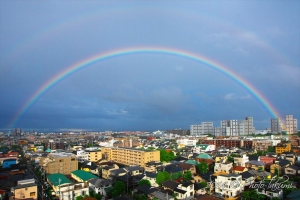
(276, 125)
(94, 155)
(127, 156)
(204, 128)
(280, 148)
(246, 126)
(291, 124)
(230, 127)
(63, 163)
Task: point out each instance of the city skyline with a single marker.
(147, 65)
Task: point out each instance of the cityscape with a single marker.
(149, 100)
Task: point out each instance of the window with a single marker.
(26, 188)
(32, 194)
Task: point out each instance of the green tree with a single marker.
(120, 187)
(144, 182)
(202, 167)
(167, 175)
(160, 177)
(187, 176)
(98, 196)
(203, 183)
(166, 156)
(79, 198)
(176, 175)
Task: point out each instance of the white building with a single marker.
(187, 142)
(223, 167)
(229, 185)
(246, 126)
(204, 128)
(276, 125)
(241, 160)
(230, 127)
(291, 124)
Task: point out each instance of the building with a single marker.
(64, 188)
(229, 185)
(204, 128)
(275, 125)
(26, 189)
(291, 124)
(127, 156)
(63, 163)
(246, 126)
(230, 127)
(187, 142)
(241, 160)
(94, 155)
(283, 147)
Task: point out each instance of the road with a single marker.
(41, 185)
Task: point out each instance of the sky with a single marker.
(147, 65)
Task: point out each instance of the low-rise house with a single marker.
(263, 175)
(223, 167)
(269, 191)
(279, 165)
(256, 165)
(268, 160)
(160, 195)
(82, 176)
(199, 189)
(204, 148)
(187, 167)
(8, 163)
(247, 178)
(100, 186)
(240, 160)
(221, 158)
(25, 190)
(185, 190)
(204, 157)
(171, 185)
(151, 177)
(239, 169)
(292, 170)
(64, 188)
(146, 189)
(90, 167)
(228, 185)
(151, 166)
(290, 156)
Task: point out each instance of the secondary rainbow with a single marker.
(143, 50)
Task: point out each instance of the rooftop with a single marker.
(85, 176)
(58, 179)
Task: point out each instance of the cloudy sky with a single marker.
(256, 42)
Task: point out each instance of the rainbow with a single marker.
(143, 50)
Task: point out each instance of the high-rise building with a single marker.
(246, 126)
(230, 127)
(204, 128)
(275, 125)
(291, 124)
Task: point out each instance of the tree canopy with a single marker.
(144, 182)
(166, 156)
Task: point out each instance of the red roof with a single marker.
(238, 168)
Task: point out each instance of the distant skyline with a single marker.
(257, 43)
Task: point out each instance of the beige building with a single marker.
(94, 156)
(63, 163)
(127, 156)
(25, 191)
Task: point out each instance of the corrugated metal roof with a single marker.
(58, 179)
(85, 176)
